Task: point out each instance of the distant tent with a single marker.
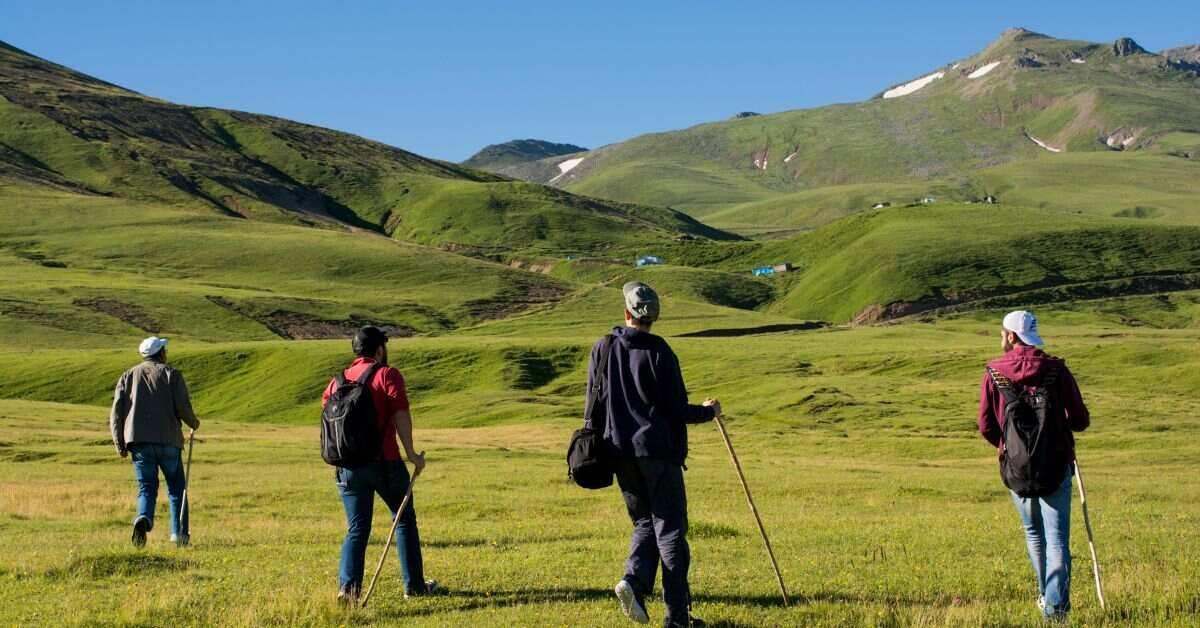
(782, 268)
(649, 260)
(764, 271)
(881, 205)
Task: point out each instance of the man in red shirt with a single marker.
(387, 476)
(1046, 518)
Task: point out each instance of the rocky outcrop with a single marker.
(745, 114)
(1184, 58)
(1120, 139)
(1125, 47)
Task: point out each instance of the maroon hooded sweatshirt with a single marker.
(1026, 366)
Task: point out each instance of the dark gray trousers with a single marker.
(657, 503)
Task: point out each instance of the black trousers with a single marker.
(657, 502)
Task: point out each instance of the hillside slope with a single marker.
(1024, 96)
(67, 130)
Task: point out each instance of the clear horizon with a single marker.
(445, 81)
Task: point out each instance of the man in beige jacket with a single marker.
(150, 404)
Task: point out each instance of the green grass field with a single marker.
(884, 506)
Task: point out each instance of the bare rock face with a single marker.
(1186, 58)
(745, 114)
(1125, 47)
(1189, 54)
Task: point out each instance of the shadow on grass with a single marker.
(460, 600)
(117, 564)
(502, 541)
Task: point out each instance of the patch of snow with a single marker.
(955, 66)
(760, 163)
(912, 86)
(1043, 144)
(565, 167)
(983, 70)
(568, 165)
(1078, 60)
(788, 158)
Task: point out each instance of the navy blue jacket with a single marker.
(647, 403)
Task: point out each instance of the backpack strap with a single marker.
(365, 377)
(1004, 385)
(599, 380)
(1051, 375)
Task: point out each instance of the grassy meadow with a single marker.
(850, 384)
(884, 506)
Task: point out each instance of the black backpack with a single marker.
(349, 434)
(1036, 437)
(588, 462)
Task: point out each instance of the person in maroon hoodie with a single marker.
(1047, 518)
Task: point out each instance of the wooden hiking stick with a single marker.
(187, 482)
(753, 509)
(1087, 522)
(388, 542)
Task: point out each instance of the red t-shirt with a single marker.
(388, 394)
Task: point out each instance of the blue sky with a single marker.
(443, 79)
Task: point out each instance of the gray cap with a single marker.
(641, 301)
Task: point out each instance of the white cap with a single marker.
(151, 346)
(1024, 325)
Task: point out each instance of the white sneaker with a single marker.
(631, 603)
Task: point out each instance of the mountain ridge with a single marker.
(1023, 95)
(496, 157)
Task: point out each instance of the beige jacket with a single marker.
(150, 404)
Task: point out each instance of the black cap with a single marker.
(367, 340)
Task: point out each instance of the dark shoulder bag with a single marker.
(587, 461)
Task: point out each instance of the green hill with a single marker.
(1024, 97)
(70, 131)
(496, 157)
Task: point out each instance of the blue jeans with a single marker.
(1047, 522)
(657, 503)
(148, 458)
(358, 487)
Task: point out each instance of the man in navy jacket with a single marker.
(646, 429)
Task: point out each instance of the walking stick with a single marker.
(187, 481)
(1091, 542)
(388, 542)
(753, 509)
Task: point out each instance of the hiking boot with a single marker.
(431, 588)
(181, 540)
(632, 604)
(692, 622)
(141, 526)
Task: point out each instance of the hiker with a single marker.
(385, 474)
(1028, 407)
(646, 431)
(150, 404)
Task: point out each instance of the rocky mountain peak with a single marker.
(1126, 46)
